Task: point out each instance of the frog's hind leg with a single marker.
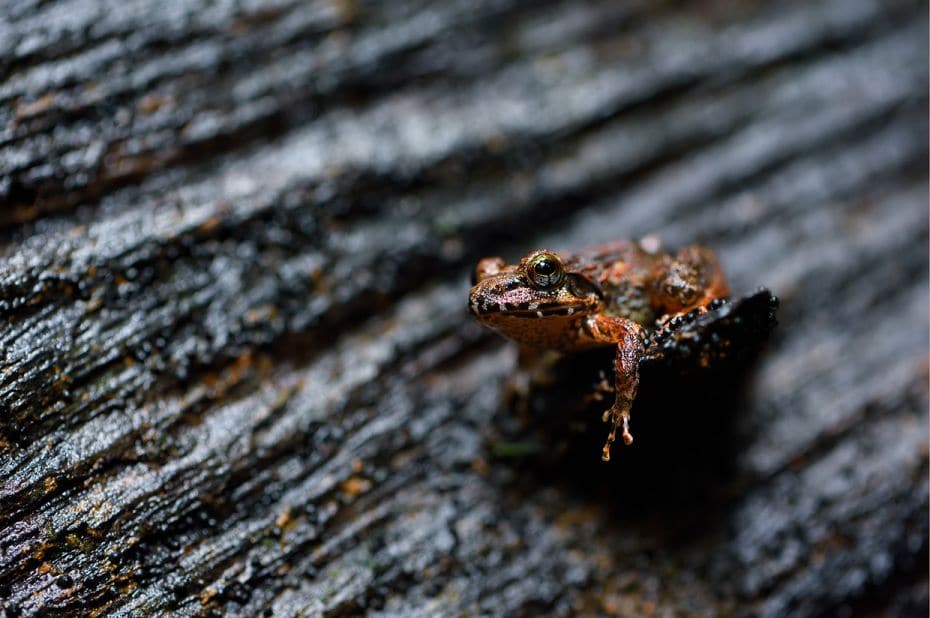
(628, 336)
(690, 280)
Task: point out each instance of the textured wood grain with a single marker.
(237, 373)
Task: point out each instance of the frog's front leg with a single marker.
(533, 369)
(628, 336)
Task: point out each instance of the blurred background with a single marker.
(237, 373)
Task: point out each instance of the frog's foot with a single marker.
(516, 394)
(601, 389)
(619, 416)
(671, 322)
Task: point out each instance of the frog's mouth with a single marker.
(528, 311)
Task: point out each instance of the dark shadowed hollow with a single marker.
(237, 371)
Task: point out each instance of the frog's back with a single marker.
(625, 273)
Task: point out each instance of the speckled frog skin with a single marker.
(602, 296)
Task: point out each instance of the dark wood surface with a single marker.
(237, 374)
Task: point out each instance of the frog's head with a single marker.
(539, 295)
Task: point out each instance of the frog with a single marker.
(613, 294)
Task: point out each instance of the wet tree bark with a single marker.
(238, 375)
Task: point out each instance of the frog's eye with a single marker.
(487, 267)
(545, 270)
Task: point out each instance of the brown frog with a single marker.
(608, 295)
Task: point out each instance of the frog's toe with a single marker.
(621, 420)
